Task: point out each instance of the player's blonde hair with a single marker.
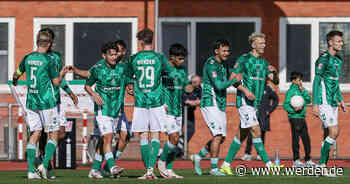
(254, 36)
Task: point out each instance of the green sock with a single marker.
(326, 147)
(234, 147)
(203, 152)
(170, 156)
(153, 154)
(31, 150)
(214, 163)
(260, 148)
(97, 162)
(50, 149)
(164, 155)
(109, 159)
(145, 149)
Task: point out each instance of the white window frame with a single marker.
(69, 32)
(5, 88)
(192, 33)
(314, 22)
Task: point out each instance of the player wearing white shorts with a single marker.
(254, 69)
(41, 75)
(173, 90)
(110, 79)
(213, 104)
(148, 67)
(326, 92)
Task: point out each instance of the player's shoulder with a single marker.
(244, 57)
(99, 64)
(211, 61)
(324, 56)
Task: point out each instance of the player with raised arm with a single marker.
(213, 104)
(254, 69)
(149, 114)
(110, 79)
(41, 104)
(173, 90)
(326, 92)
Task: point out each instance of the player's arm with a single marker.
(81, 73)
(286, 105)
(319, 69)
(19, 72)
(238, 69)
(217, 83)
(88, 87)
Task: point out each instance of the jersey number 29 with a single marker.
(148, 73)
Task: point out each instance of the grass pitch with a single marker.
(130, 176)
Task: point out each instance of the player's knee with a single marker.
(174, 138)
(107, 138)
(222, 140)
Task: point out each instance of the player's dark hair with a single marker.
(295, 75)
(108, 46)
(333, 33)
(50, 31)
(220, 43)
(177, 49)
(145, 35)
(121, 43)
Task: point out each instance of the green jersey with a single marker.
(326, 88)
(110, 85)
(148, 67)
(254, 72)
(173, 90)
(56, 57)
(293, 91)
(215, 84)
(40, 71)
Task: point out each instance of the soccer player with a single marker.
(42, 74)
(148, 66)
(296, 116)
(254, 69)
(326, 91)
(56, 56)
(173, 91)
(108, 96)
(213, 104)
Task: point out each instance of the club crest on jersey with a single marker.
(320, 66)
(211, 61)
(214, 74)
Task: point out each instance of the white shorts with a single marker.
(107, 124)
(328, 115)
(62, 120)
(247, 115)
(39, 119)
(173, 124)
(148, 120)
(215, 119)
(122, 125)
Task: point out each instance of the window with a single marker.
(302, 40)
(7, 31)
(198, 34)
(79, 40)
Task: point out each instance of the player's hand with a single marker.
(98, 99)
(343, 106)
(237, 76)
(316, 110)
(69, 69)
(296, 109)
(14, 82)
(166, 109)
(130, 89)
(74, 98)
(249, 95)
(271, 68)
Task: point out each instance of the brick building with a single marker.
(295, 37)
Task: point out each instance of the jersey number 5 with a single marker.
(33, 77)
(148, 73)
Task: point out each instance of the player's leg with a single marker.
(196, 158)
(248, 149)
(259, 146)
(329, 117)
(95, 169)
(35, 127)
(123, 136)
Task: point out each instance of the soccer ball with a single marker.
(297, 101)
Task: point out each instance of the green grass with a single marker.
(130, 176)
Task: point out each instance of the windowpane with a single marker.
(3, 53)
(59, 44)
(174, 33)
(326, 27)
(299, 50)
(236, 33)
(89, 37)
